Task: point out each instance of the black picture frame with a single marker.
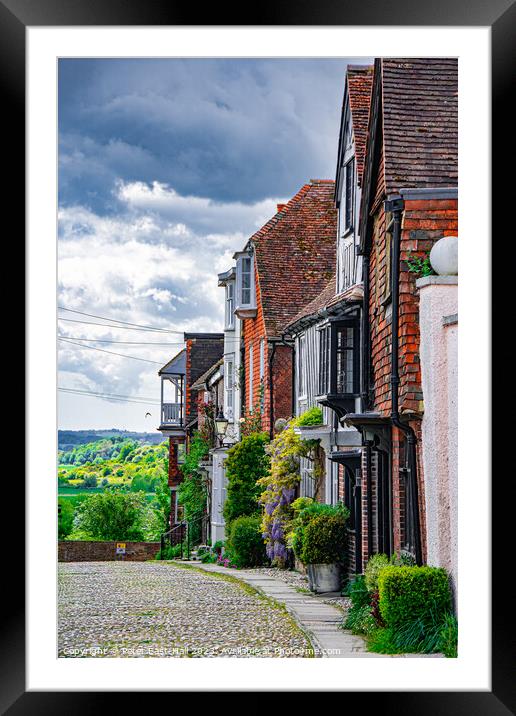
(500, 16)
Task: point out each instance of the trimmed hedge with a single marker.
(324, 540)
(410, 593)
(245, 542)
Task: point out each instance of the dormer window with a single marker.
(245, 293)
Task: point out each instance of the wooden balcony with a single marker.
(172, 414)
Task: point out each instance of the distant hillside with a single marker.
(68, 439)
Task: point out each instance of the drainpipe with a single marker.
(364, 393)
(396, 207)
(369, 497)
(271, 391)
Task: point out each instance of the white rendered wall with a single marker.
(218, 496)
(438, 305)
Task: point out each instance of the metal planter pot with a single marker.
(323, 578)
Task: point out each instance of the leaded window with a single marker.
(339, 358)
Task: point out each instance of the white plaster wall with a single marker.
(218, 496)
(438, 353)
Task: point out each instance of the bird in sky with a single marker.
(148, 414)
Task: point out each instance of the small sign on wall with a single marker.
(120, 547)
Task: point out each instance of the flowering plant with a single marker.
(280, 486)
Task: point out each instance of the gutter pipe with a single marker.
(395, 206)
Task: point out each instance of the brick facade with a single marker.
(423, 223)
(296, 248)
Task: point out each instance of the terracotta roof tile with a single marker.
(420, 103)
(295, 253)
(360, 83)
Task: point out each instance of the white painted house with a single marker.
(231, 407)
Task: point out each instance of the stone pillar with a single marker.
(438, 307)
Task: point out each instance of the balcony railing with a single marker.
(172, 414)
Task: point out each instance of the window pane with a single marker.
(345, 342)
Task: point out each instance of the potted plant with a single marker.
(319, 542)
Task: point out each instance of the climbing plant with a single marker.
(279, 485)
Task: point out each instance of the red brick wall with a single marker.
(71, 551)
(282, 376)
(253, 331)
(175, 475)
(189, 407)
(423, 223)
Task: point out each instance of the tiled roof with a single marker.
(319, 302)
(295, 253)
(360, 82)
(419, 100)
(326, 299)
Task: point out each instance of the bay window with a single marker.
(230, 305)
(245, 293)
(339, 364)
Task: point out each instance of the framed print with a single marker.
(243, 315)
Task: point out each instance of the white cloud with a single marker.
(151, 264)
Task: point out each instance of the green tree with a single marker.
(65, 520)
(161, 503)
(112, 515)
(247, 462)
(192, 491)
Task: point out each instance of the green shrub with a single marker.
(312, 416)
(358, 592)
(218, 546)
(245, 542)
(411, 593)
(246, 463)
(324, 540)
(374, 565)
(327, 539)
(208, 558)
(301, 504)
(66, 515)
(170, 552)
(403, 559)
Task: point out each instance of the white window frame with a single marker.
(262, 359)
(229, 387)
(240, 302)
(230, 305)
(251, 367)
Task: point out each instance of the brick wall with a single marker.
(423, 223)
(253, 332)
(71, 551)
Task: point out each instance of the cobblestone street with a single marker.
(152, 609)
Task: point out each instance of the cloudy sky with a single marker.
(165, 168)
